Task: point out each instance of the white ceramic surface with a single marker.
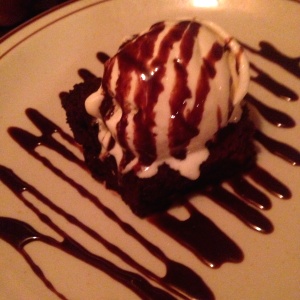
(41, 60)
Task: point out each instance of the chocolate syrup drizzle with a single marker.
(269, 52)
(245, 202)
(29, 142)
(283, 150)
(272, 115)
(275, 87)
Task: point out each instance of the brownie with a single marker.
(230, 152)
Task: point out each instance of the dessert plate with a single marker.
(69, 252)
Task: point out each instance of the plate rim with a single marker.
(6, 37)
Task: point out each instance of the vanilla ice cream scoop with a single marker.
(166, 93)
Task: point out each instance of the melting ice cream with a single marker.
(166, 93)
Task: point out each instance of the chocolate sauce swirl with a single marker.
(269, 52)
(275, 87)
(29, 142)
(280, 149)
(188, 234)
(250, 216)
(274, 116)
(19, 234)
(270, 183)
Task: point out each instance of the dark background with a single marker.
(16, 12)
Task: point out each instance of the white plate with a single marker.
(41, 59)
